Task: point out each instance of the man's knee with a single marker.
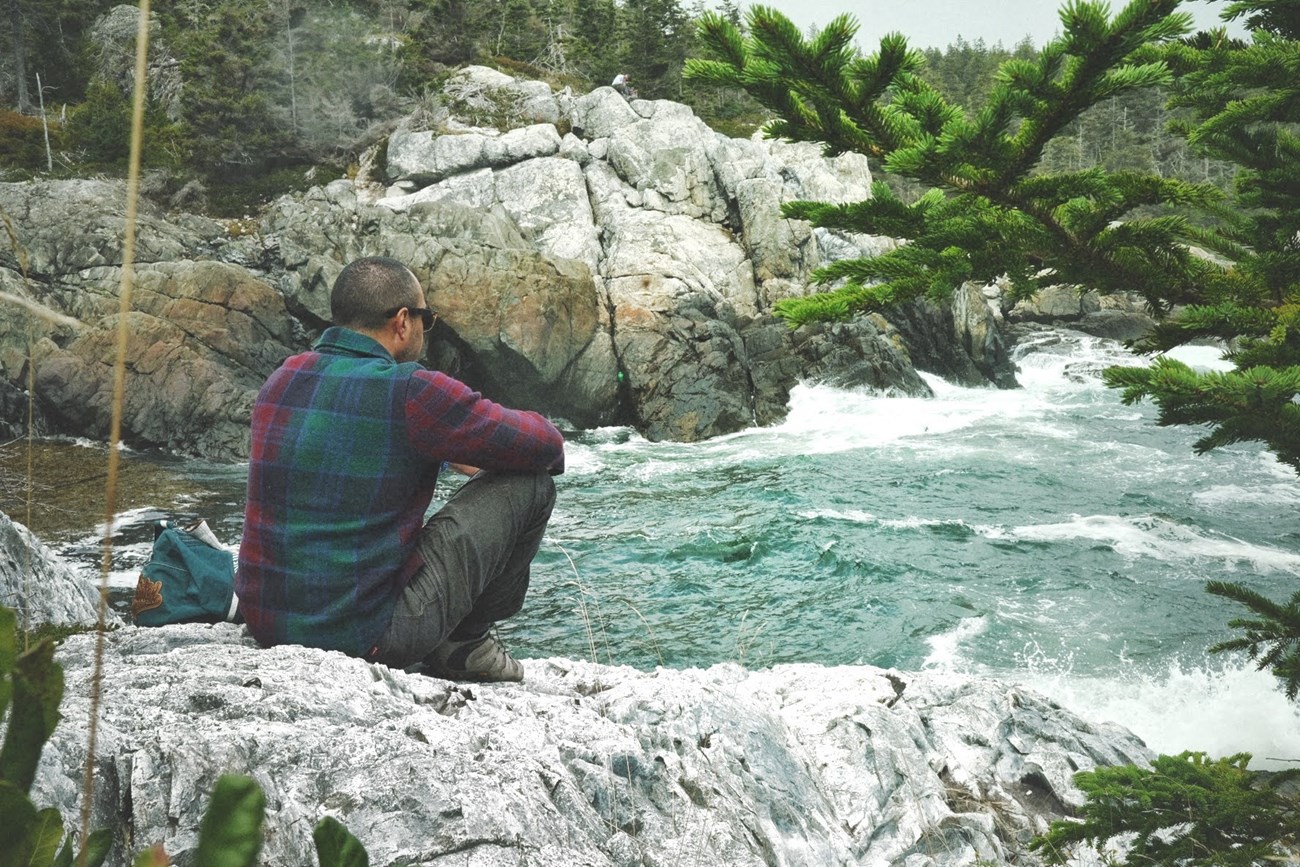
(547, 483)
(541, 489)
(533, 492)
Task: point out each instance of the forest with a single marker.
(276, 88)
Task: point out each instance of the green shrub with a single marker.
(31, 687)
(101, 125)
(99, 129)
(1183, 810)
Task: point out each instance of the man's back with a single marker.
(345, 450)
(336, 498)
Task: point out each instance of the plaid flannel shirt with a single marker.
(345, 451)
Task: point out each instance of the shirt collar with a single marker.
(338, 340)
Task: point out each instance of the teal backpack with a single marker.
(189, 578)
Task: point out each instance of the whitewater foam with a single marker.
(946, 647)
(1154, 537)
(1219, 711)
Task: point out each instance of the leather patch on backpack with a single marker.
(148, 595)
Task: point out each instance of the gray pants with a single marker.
(477, 550)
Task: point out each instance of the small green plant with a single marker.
(31, 687)
(1183, 810)
(99, 129)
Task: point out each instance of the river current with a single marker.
(1048, 535)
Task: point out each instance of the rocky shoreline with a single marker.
(582, 764)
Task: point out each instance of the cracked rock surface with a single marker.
(582, 764)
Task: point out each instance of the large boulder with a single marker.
(779, 249)
(666, 157)
(582, 764)
(960, 341)
(61, 227)
(1118, 316)
(514, 322)
(427, 156)
(546, 198)
(676, 286)
(24, 320)
(40, 586)
(478, 91)
(868, 352)
(201, 339)
(601, 113)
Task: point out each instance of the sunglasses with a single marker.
(427, 316)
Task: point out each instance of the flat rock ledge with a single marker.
(583, 764)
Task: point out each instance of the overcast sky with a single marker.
(938, 23)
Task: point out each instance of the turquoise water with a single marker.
(1047, 535)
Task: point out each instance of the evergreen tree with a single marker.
(225, 52)
(596, 39)
(99, 130)
(440, 32)
(513, 28)
(1246, 101)
(966, 72)
(656, 35)
(729, 110)
(338, 70)
(1185, 810)
(47, 37)
(987, 212)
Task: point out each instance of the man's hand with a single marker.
(463, 469)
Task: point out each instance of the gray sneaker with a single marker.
(484, 660)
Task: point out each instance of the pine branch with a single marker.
(1251, 405)
(1273, 640)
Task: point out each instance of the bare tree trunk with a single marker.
(20, 57)
(49, 156)
(293, 91)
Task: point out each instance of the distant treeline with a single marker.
(273, 87)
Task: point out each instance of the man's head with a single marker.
(380, 297)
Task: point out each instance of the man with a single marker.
(347, 443)
(621, 83)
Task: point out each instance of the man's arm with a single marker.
(447, 419)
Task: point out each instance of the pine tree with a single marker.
(1246, 102)
(46, 38)
(987, 212)
(225, 53)
(439, 32)
(1184, 810)
(596, 36)
(655, 37)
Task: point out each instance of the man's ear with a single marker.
(401, 323)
